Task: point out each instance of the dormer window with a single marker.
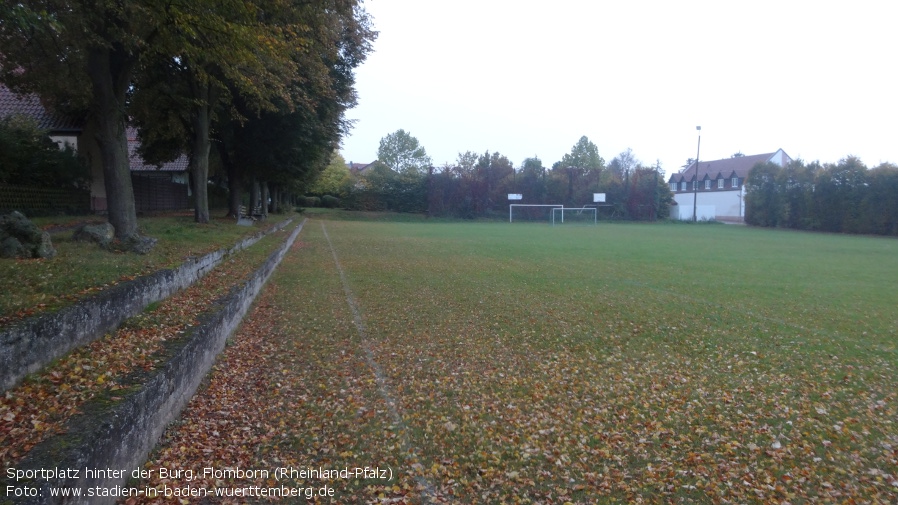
(707, 183)
(673, 186)
(683, 186)
(720, 183)
(735, 182)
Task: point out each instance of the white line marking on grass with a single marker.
(383, 386)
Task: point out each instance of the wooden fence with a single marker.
(156, 191)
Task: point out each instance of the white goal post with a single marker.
(577, 210)
(511, 207)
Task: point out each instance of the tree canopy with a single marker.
(842, 197)
(478, 185)
(334, 179)
(183, 69)
(402, 152)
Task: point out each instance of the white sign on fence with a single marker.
(515, 196)
(598, 198)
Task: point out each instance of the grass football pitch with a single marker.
(609, 363)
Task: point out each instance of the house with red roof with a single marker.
(163, 187)
(716, 189)
(63, 130)
(358, 168)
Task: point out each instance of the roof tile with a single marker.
(726, 168)
(139, 165)
(12, 104)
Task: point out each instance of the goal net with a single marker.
(574, 215)
(523, 212)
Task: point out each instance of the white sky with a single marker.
(528, 77)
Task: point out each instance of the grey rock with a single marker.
(101, 234)
(45, 249)
(10, 247)
(15, 228)
(139, 244)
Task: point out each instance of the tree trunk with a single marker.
(253, 197)
(265, 199)
(109, 73)
(275, 196)
(199, 150)
(234, 188)
(199, 162)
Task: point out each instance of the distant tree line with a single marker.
(475, 185)
(845, 197)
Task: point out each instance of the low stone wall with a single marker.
(27, 346)
(120, 435)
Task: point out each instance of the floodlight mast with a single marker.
(695, 182)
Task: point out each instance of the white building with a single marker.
(719, 187)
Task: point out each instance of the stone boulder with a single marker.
(20, 238)
(101, 234)
(135, 243)
(140, 244)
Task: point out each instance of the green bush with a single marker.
(28, 157)
(309, 201)
(330, 202)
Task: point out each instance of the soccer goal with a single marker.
(582, 215)
(531, 212)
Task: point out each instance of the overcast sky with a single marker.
(529, 78)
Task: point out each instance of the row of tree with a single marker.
(404, 179)
(844, 197)
(265, 81)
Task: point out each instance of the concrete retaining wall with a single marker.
(120, 435)
(27, 346)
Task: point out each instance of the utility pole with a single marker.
(695, 182)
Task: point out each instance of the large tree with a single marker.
(288, 144)
(796, 187)
(582, 165)
(334, 179)
(402, 152)
(623, 164)
(80, 56)
(85, 56)
(838, 193)
(265, 56)
(763, 199)
(880, 204)
(531, 180)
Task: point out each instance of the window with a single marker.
(719, 183)
(735, 182)
(683, 186)
(707, 183)
(694, 185)
(673, 186)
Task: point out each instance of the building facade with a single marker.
(716, 190)
(156, 187)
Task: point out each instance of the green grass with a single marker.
(79, 269)
(625, 361)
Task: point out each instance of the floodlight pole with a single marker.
(695, 182)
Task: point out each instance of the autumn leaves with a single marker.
(518, 373)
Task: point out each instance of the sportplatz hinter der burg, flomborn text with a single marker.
(30, 476)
